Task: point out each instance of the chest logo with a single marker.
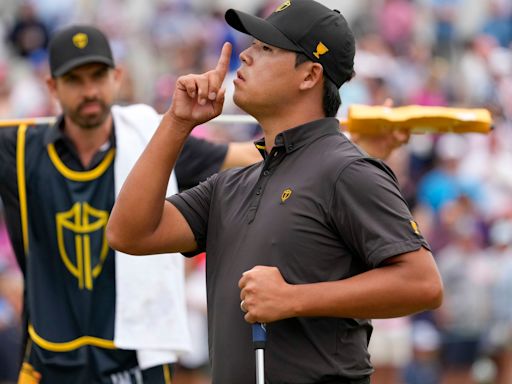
(286, 195)
(81, 236)
(80, 40)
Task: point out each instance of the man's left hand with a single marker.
(266, 295)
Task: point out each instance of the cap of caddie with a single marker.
(78, 45)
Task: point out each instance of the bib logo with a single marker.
(321, 49)
(80, 40)
(286, 195)
(81, 231)
(283, 6)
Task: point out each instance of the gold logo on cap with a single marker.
(283, 6)
(80, 40)
(286, 194)
(321, 49)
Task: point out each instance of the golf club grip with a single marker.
(259, 335)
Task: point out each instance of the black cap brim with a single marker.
(259, 29)
(81, 61)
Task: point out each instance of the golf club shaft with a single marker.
(260, 366)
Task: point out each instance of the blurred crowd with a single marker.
(459, 187)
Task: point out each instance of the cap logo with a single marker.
(286, 194)
(80, 40)
(321, 49)
(283, 6)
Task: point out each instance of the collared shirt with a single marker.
(67, 151)
(316, 208)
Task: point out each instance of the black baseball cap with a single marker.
(78, 45)
(304, 26)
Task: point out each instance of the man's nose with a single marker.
(90, 89)
(245, 56)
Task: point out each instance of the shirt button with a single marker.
(290, 147)
(266, 173)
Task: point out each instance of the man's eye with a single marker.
(100, 75)
(266, 48)
(70, 79)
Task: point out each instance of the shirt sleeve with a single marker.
(194, 205)
(198, 160)
(371, 215)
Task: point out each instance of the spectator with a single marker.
(29, 34)
(424, 367)
(11, 290)
(465, 314)
(500, 331)
(499, 22)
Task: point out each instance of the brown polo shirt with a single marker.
(318, 209)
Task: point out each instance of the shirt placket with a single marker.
(269, 165)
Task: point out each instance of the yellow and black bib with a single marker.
(71, 269)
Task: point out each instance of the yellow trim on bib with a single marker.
(69, 345)
(22, 183)
(80, 176)
(167, 374)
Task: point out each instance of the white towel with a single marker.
(150, 301)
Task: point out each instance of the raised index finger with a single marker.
(223, 63)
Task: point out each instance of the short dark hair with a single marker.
(331, 98)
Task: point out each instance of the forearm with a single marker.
(241, 154)
(406, 284)
(139, 207)
(379, 293)
(381, 146)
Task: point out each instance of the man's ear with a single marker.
(51, 84)
(118, 78)
(118, 73)
(313, 75)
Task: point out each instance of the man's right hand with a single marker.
(382, 145)
(200, 98)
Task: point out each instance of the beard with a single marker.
(88, 120)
